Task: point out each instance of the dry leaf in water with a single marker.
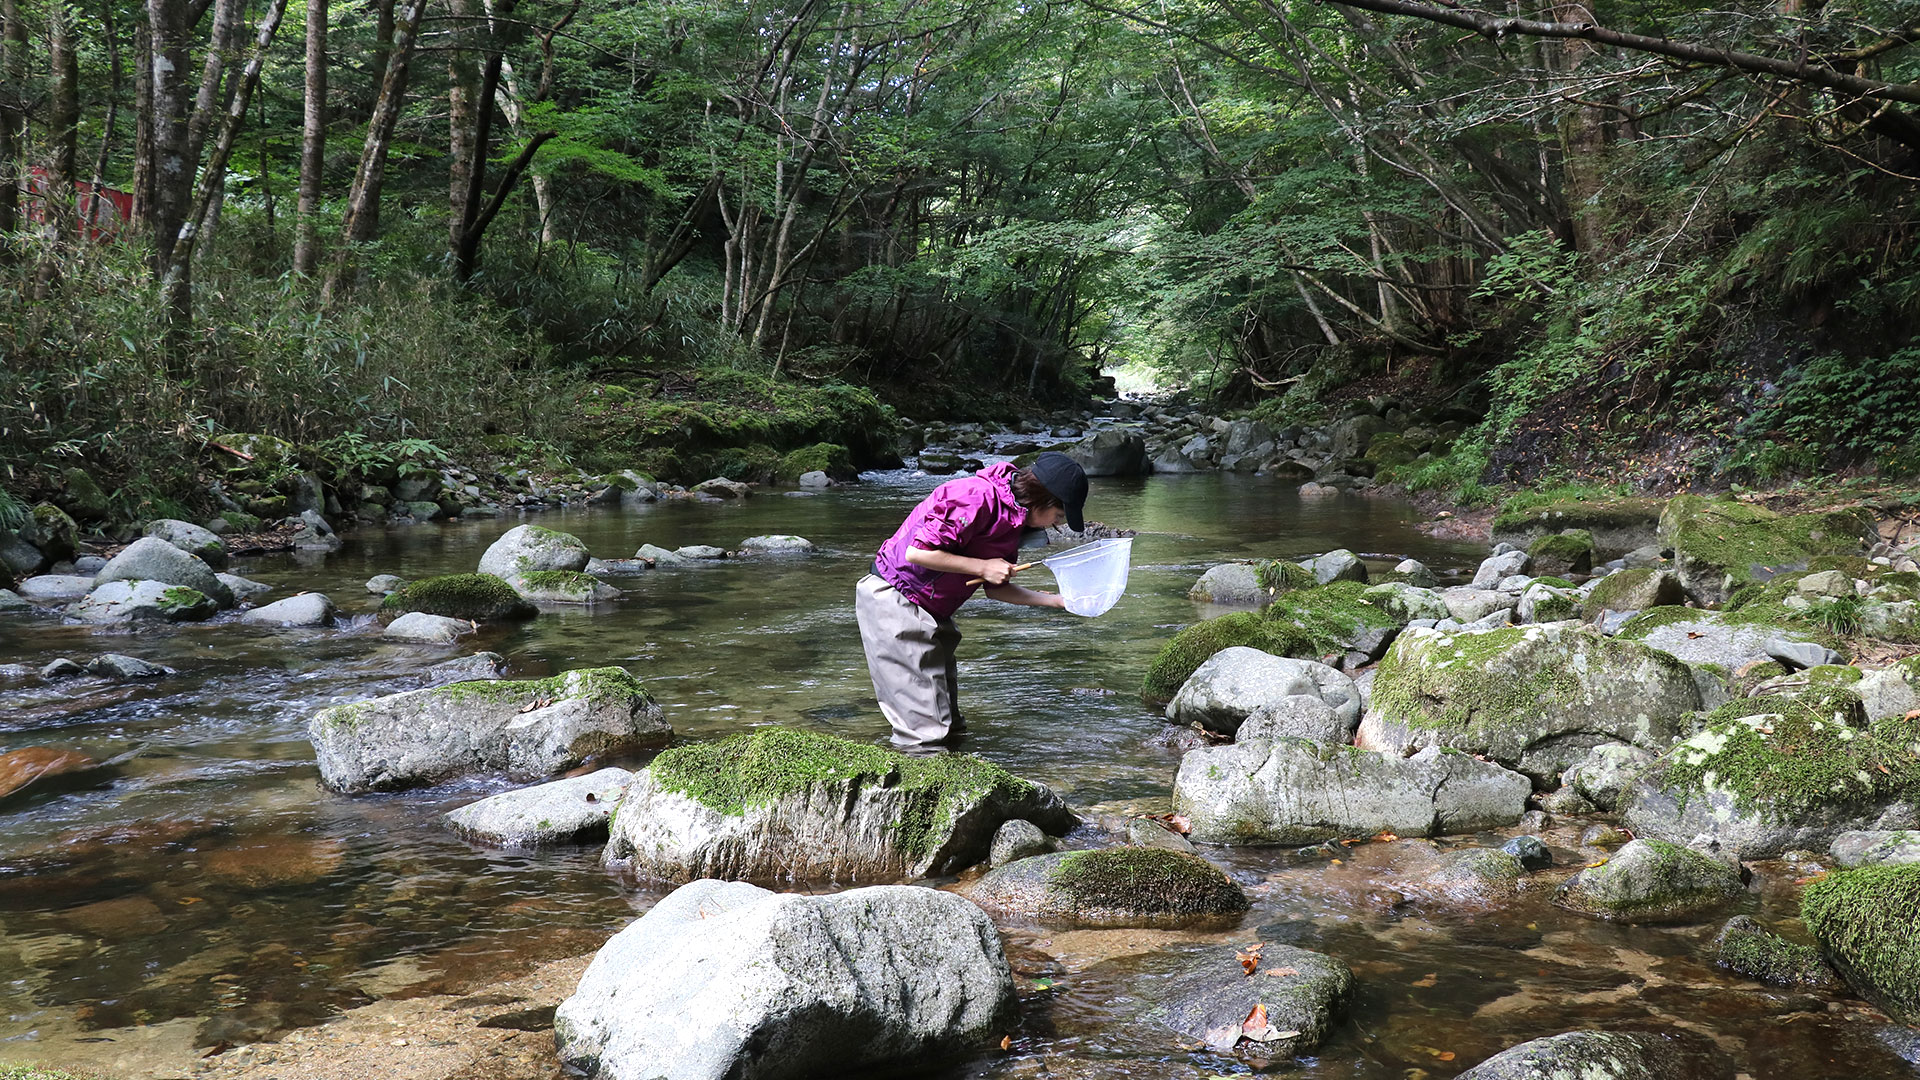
(1006, 1042)
(1431, 978)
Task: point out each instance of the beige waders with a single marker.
(910, 656)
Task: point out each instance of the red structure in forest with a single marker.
(103, 211)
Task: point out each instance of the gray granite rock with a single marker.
(1652, 881)
(570, 811)
(153, 559)
(1236, 681)
(304, 610)
(425, 629)
(142, 601)
(530, 549)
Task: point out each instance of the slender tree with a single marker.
(313, 141)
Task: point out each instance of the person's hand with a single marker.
(996, 571)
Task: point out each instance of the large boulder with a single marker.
(1716, 641)
(1534, 698)
(1635, 590)
(1544, 603)
(1208, 996)
(1893, 690)
(1720, 546)
(1337, 565)
(424, 629)
(1867, 922)
(1297, 792)
(1352, 436)
(153, 559)
(1236, 681)
(1561, 554)
(1112, 452)
(192, 539)
(245, 590)
(306, 609)
(473, 597)
(1608, 1055)
(1298, 716)
(781, 803)
(1125, 886)
(570, 811)
(1468, 605)
(1497, 568)
(562, 587)
(1407, 602)
(727, 981)
(1745, 946)
(19, 557)
(142, 601)
(1768, 775)
(529, 729)
(1652, 881)
(721, 488)
(56, 588)
(526, 549)
(1230, 584)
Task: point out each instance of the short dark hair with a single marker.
(1029, 492)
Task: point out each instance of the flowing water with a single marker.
(213, 893)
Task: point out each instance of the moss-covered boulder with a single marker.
(1558, 554)
(1207, 996)
(1720, 545)
(1127, 886)
(1542, 602)
(1767, 775)
(1316, 623)
(526, 549)
(1872, 847)
(56, 534)
(1533, 698)
(1745, 946)
(83, 497)
(530, 729)
(1616, 525)
(142, 601)
(1296, 792)
(1182, 656)
(1867, 922)
(1635, 590)
(562, 587)
(777, 803)
(1229, 584)
(1406, 602)
(1608, 1055)
(830, 458)
(1652, 881)
(475, 597)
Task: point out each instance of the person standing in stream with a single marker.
(961, 536)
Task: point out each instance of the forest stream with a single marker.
(213, 894)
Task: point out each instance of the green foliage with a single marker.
(1840, 615)
(476, 597)
(1836, 406)
(1867, 921)
(1787, 756)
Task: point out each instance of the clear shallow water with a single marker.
(214, 893)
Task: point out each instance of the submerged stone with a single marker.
(1608, 1055)
(727, 981)
(776, 803)
(1652, 881)
(1126, 886)
(528, 729)
(1208, 996)
(1745, 946)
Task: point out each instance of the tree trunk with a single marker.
(382, 51)
(363, 199)
(105, 157)
(313, 142)
(207, 103)
(463, 95)
(13, 119)
(171, 172)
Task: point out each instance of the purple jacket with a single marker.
(976, 516)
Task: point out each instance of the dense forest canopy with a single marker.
(1654, 240)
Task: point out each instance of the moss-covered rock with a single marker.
(1206, 996)
(1405, 603)
(83, 497)
(527, 728)
(780, 803)
(1652, 881)
(1616, 525)
(562, 587)
(55, 534)
(1128, 886)
(1636, 590)
(830, 458)
(1331, 617)
(1867, 922)
(1181, 657)
(1569, 552)
(1534, 698)
(1720, 545)
(1767, 775)
(1277, 576)
(526, 549)
(475, 597)
(690, 426)
(1745, 946)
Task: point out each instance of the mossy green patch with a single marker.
(1751, 543)
(35, 1072)
(760, 767)
(1867, 921)
(1522, 514)
(1746, 947)
(1457, 682)
(1556, 582)
(1330, 615)
(1780, 756)
(475, 597)
(568, 582)
(181, 600)
(1279, 576)
(830, 458)
(1146, 880)
(588, 684)
(1180, 657)
(1553, 607)
(1572, 549)
(1755, 614)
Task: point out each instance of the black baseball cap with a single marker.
(1065, 480)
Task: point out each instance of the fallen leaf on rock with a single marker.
(1384, 836)
(1278, 973)
(1222, 1039)
(1912, 714)
(1006, 1042)
(1250, 960)
(1596, 862)
(1256, 1020)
